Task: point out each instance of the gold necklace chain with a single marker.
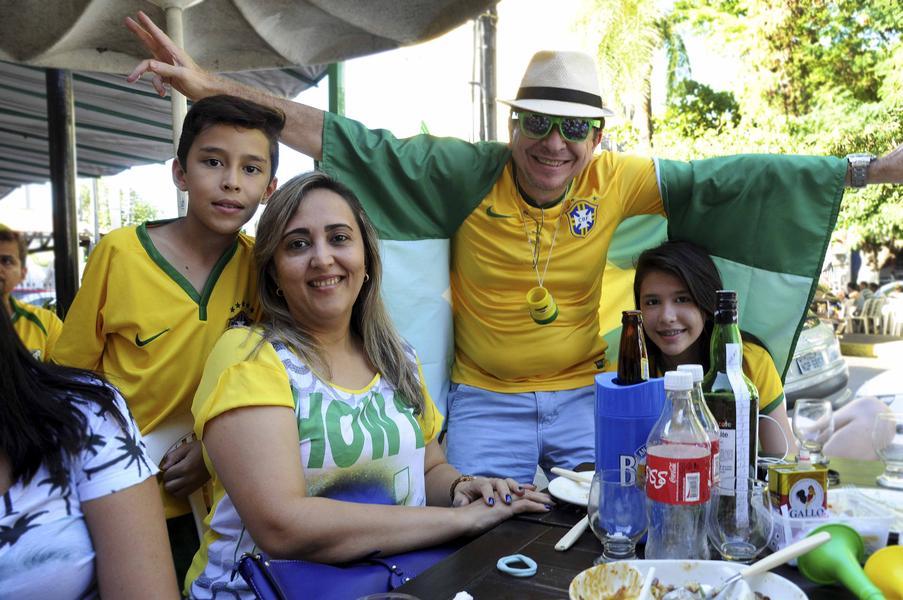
(536, 246)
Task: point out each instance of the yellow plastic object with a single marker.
(543, 308)
(839, 561)
(885, 569)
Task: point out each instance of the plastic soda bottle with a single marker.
(704, 415)
(678, 465)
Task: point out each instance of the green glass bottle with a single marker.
(730, 395)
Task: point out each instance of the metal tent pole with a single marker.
(176, 31)
(488, 22)
(336, 76)
(336, 72)
(61, 149)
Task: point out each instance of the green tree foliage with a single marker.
(891, 72)
(86, 204)
(811, 77)
(678, 67)
(134, 209)
(626, 37)
(874, 213)
(816, 77)
(695, 107)
(799, 55)
(817, 46)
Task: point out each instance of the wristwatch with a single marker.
(859, 168)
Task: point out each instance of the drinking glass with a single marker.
(813, 424)
(739, 520)
(887, 438)
(617, 513)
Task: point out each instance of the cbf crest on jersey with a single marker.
(582, 218)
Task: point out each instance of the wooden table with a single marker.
(472, 568)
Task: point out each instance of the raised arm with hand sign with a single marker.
(173, 66)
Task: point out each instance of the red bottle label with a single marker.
(678, 474)
(716, 476)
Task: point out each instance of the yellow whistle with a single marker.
(885, 569)
(543, 309)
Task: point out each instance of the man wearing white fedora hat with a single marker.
(531, 224)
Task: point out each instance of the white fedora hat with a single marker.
(562, 84)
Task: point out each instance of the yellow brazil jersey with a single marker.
(498, 346)
(141, 324)
(242, 372)
(759, 367)
(38, 328)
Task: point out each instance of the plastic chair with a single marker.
(892, 314)
(169, 435)
(873, 314)
(854, 317)
(870, 317)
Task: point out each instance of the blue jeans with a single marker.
(507, 435)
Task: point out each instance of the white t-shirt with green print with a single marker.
(356, 445)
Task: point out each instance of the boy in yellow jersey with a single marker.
(156, 297)
(38, 328)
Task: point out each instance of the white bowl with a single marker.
(606, 581)
(682, 572)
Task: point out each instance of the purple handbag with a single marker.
(271, 579)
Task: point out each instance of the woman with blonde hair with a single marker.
(316, 424)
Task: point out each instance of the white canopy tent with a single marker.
(117, 125)
(222, 36)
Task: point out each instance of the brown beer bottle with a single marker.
(633, 361)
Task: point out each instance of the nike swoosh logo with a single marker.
(139, 342)
(491, 212)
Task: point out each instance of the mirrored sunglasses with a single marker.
(574, 129)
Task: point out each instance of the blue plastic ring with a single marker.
(505, 562)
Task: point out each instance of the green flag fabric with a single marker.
(767, 222)
(766, 219)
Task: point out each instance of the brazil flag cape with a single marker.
(765, 219)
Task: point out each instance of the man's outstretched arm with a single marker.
(172, 65)
(886, 169)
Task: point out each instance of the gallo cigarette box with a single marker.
(801, 488)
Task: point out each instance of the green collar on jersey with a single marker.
(18, 311)
(204, 296)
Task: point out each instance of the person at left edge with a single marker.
(155, 297)
(37, 327)
(80, 516)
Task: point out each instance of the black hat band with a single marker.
(559, 94)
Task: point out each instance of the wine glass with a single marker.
(813, 424)
(617, 513)
(739, 520)
(887, 438)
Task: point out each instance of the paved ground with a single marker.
(862, 369)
